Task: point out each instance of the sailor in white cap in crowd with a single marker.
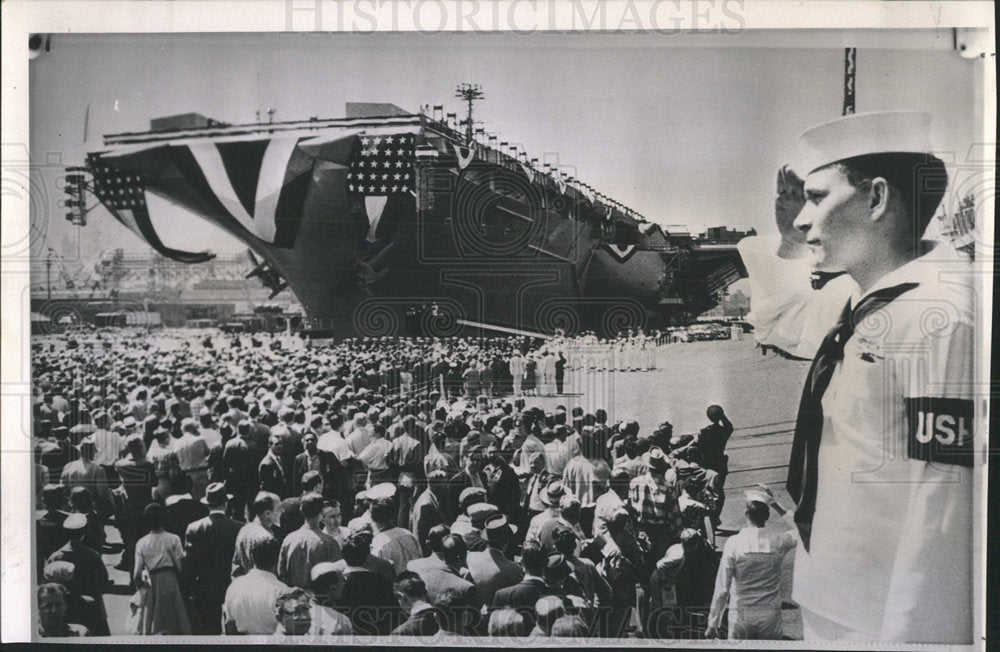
(882, 457)
(749, 577)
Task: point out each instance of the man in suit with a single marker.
(239, 470)
(523, 595)
(367, 598)
(451, 574)
(591, 585)
(440, 580)
(412, 595)
(326, 464)
(271, 470)
(504, 489)
(433, 543)
(209, 544)
(138, 477)
(182, 508)
(490, 569)
(428, 510)
(471, 476)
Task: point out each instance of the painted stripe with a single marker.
(210, 161)
(270, 181)
(621, 253)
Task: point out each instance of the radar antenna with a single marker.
(470, 93)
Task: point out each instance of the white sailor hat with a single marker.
(756, 496)
(382, 490)
(864, 133)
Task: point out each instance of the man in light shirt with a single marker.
(550, 497)
(266, 510)
(394, 544)
(749, 577)
(557, 452)
(108, 445)
(208, 429)
(192, 455)
(333, 441)
(306, 546)
(361, 434)
(375, 457)
(84, 473)
(250, 599)
(611, 501)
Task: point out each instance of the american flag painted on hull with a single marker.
(124, 195)
(383, 166)
(382, 172)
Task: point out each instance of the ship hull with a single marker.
(480, 247)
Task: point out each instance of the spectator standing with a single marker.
(490, 569)
(307, 546)
(192, 456)
(159, 565)
(250, 599)
(266, 509)
(90, 577)
(368, 598)
(653, 498)
(210, 544)
(749, 577)
(394, 544)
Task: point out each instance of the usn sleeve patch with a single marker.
(940, 430)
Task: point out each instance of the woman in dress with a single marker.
(161, 555)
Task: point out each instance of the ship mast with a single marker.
(470, 93)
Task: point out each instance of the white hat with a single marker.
(75, 522)
(382, 490)
(864, 133)
(756, 496)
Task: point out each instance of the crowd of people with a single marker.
(366, 488)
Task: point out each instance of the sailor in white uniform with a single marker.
(882, 460)
(517, 371)
(749, 576)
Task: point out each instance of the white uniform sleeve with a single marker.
(784, 309)
(930, 591)
(786, 542)
(723, 579)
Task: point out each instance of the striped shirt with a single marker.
(249, 537)
(655, 501)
